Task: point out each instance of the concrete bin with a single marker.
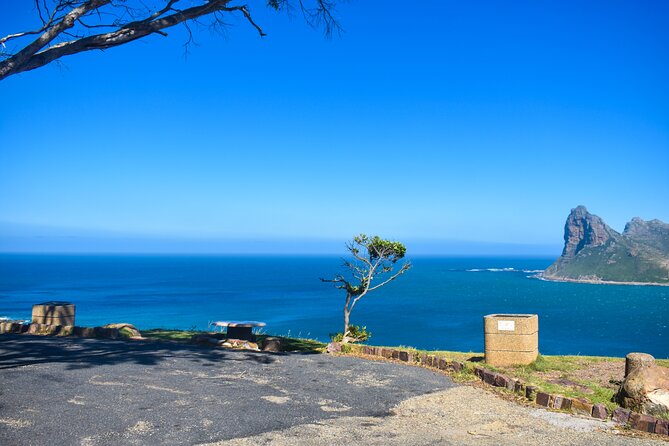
(53, 313)
(511, 339)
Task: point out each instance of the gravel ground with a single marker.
(461, 415)
(70, 391)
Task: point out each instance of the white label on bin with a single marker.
(506, 325)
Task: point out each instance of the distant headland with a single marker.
(595, 253)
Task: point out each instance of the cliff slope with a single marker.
(593, 252)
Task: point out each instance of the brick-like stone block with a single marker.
(489, 377)
(543, 399)
(565, 404)
(423, 359)
(557, 401)
(511, 384)
(642, 422)
(530, 392)
(404, 356)
(457, 366)
(600, 411)
(662, 427)
(621, 415)
(478, 372)
(581, 406)
(431, 360)
(501, 381)
(519, 387)
(396, 354)
(442, 364)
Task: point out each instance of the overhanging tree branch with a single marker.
(70, 26)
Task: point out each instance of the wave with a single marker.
(504, 270)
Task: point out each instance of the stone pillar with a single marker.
(511, 339)
(53, 313)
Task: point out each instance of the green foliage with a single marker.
(359, 334)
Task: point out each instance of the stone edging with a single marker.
(580, 406)
(59, 330)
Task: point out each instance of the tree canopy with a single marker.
(66, 27)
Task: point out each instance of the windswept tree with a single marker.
(66, 27)
(372, 266)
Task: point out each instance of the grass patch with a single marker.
(595, 378)
(162, 334)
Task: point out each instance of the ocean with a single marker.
(438, 304)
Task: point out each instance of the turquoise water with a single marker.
(439, 304)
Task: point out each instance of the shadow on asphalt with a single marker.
(79, 353)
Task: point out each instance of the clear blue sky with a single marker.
(440, 124)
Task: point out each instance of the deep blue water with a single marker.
(438, 304)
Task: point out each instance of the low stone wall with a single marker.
(59, 330)
(580, 406)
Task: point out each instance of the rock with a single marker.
(600, 411)
(583, 229)
(333, 347)
(530, 392)
(240, 344)
(561, 403)
(621, 415)
(635, 360)
(543, 399)
(646, 390)
(478, 371)
(662, 427)
(501, 381)
(125, 330)
(405, 356)
(457, 366)
(489, 377)
(271, 344)
(581, 406)
(642, 422)
(519, 388)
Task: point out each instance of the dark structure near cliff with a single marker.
(595, 252)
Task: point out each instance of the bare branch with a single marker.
(75, 20)
(404, 269)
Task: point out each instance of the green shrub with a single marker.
(359, 334)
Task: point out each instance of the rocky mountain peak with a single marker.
(654, 233)
(584, 229)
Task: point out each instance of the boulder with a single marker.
(126, 330)
(646, 390)
(271, 344)
(334, 347)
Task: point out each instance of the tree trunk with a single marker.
(346, 319)
(347, 314)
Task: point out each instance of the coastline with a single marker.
(540, 276)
